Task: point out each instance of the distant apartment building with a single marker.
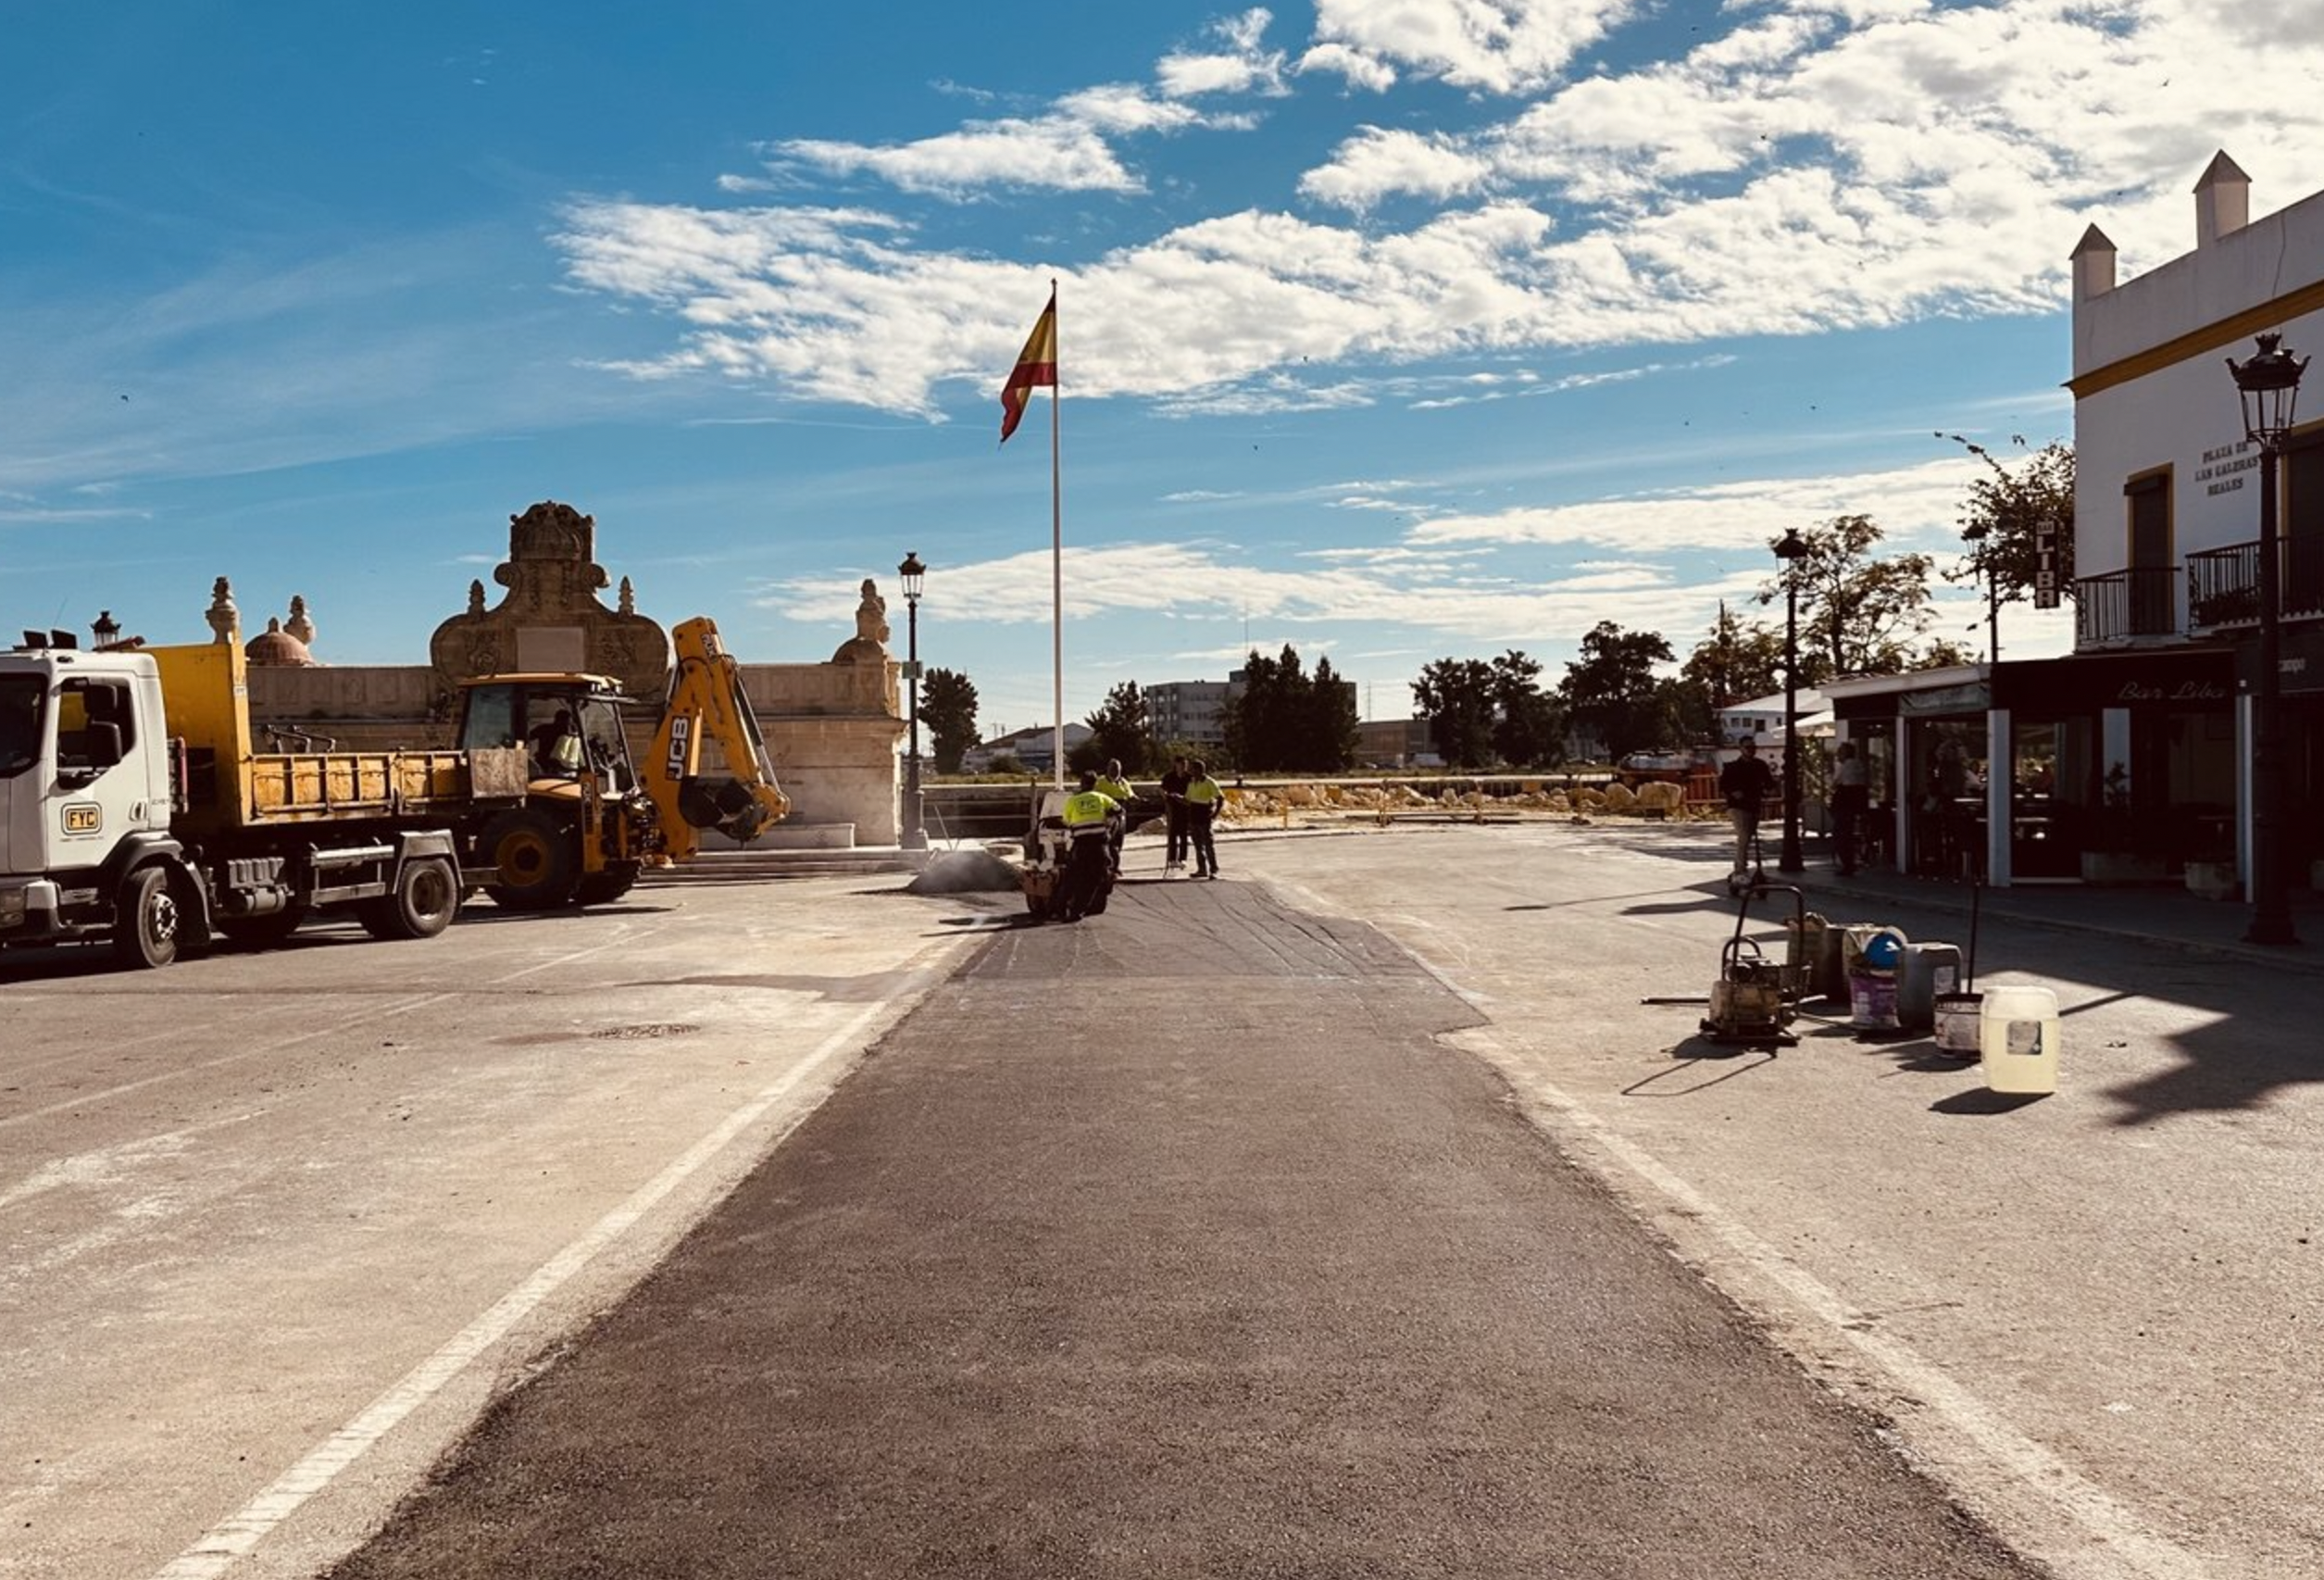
(1191, 711)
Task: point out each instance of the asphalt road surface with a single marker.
(1176, 1244)
(1351, 1216)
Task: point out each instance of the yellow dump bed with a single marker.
(206, 693)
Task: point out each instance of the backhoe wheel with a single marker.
(533, 855)
(146, 934)
(421, 905)
(604, 889)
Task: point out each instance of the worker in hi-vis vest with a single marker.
(1203, 797)
(1089, 815)
(1111, 783)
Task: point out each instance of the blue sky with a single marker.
(1394, 329)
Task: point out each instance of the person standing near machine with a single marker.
(1174, 816)
(1203, 799)
(1111, 783)
(1746, 784)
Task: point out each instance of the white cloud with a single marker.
(1361, 70)
(1243, 67)
(1498, 45)
(1915, 506)
(1376, 162)
(1056, 153)
(1813, 167)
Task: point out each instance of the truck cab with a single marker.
(84, 779)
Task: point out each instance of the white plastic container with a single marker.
(2020, 1035)
(1960, 1024)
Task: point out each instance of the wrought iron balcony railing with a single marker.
(2223, 587)
(2142, 601)
(2223, 583)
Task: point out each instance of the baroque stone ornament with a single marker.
(868, 646)
(551, 606)
(224, 617)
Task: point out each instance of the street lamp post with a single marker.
(2268, 385)
(915, 825)
(1791, 549)
(106, 629)
(1981, 534)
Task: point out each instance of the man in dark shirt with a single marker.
(1746, 783)
(1174, 785)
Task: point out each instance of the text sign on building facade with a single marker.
(2045, 565)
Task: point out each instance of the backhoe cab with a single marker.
(593, 818)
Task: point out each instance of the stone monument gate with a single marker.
(835, 729)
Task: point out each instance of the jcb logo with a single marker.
(83, 817)
(680, 729)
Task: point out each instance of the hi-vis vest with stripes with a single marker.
(1087, 809)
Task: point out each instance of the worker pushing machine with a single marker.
(1090, 815)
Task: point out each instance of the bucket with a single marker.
(2018, 1035)
(1863, 941)
(1959, 1018)
(1872, 1001)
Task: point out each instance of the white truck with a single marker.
(135, 811)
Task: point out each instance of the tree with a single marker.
(1529, 728)
(1330, 736)
(1858, 615)
(948, 707)
(2005, 511)
(1611, 689)
(1736, 662)
(1455, 696)
(1119, 730)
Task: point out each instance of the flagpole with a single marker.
(1057, 565)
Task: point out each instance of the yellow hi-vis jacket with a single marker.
(1205, 791)
(1118, 789)
(1086, 811)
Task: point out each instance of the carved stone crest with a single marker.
(553, 583)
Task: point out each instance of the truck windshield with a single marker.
(23, 699)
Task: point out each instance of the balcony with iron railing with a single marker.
(2123, 606)
(2223, 585)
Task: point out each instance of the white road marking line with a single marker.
(235, 1536)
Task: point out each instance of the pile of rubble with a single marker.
(1287, 804)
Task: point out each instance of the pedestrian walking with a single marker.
(1745, 784)
(1204, 798)
(1111, 783)
(1174, 816)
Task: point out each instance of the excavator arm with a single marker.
(706, 702)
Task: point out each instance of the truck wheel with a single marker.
(604, 889)
(146, 936)
(532, 856)
(420, 906)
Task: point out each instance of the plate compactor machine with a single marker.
(1755, 999)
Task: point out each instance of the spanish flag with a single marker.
(1036, 365)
